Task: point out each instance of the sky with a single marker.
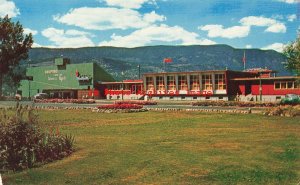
(264, 24)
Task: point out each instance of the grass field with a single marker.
(171, 148)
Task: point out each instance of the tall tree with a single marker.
(292, 53)
(14, 46)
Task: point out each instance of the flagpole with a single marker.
(244, 59)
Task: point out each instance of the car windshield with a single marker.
(292, 96)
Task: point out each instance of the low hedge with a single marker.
(234, 103)
(57, 100)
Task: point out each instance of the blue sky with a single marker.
(265, 24)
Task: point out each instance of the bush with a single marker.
(288, 111)
(120, 106)
(57, 100)
(24, 145)
(234, 103)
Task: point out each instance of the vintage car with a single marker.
(41, 96)
(291, 99)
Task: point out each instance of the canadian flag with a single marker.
(168, 60)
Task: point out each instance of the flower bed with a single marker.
(232, 103)
(119, 108)
(137, 102)
(56, 100)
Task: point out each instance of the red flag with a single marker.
(168, 60)
(244, 58)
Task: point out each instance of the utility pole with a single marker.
(29, 79)
(122, 83)
(260, 88)
(139, 68)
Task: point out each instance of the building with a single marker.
(65, 80)
(88, 80)
(252, 85)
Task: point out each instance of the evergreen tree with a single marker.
(14, 46)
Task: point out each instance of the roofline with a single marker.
(204, 71)
(269, 78)
(114, 83)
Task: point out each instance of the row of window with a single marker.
(206, 82)
(286, 85)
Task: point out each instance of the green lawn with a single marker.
(171, 148)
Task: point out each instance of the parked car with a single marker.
(291, 99)
(41, 96)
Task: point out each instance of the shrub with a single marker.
(288, 111)
(57, 100)
(120, 106)
(24, 145)
(233, 103)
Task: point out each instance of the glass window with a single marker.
(171, 83)
(182, 82)
(206, 82)
(194, 82)
(290, 85)
(283, 85)
(160, 83)
(277, 85)
(149, 83)
(220, 83)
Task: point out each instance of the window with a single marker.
(206, 82)
(285, 85)
(290, 85)
(277, 85)
(182, 82)
(220, 83)
(160, 83)
(149, 83)
(194, 82)
(171, 83)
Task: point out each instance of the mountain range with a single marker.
(123, 63)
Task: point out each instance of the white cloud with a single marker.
(8, 8)
(162, 33)
(289, 1)
(292, 17)
(276, 28)
(271, 24)
(130, 4)
(28, 30)
(248, 46)
(276, 46)
(153, 17)
(36, 45)
(67, 39)
(216, 30)
(107, 18)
